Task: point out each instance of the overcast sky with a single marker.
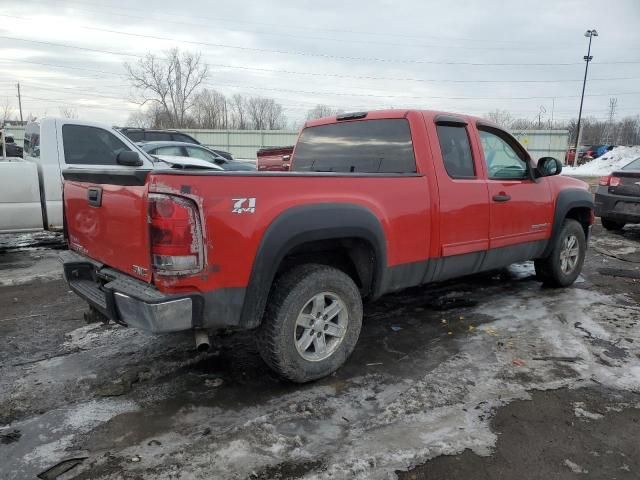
(352, 55)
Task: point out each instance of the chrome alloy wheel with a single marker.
(321, 326)
(569, 254)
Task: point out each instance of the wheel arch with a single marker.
(575, 203)
(317, 228)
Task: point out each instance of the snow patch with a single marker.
(605, 164)
(574, 467)
(580, 412)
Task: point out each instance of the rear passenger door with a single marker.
(464, 199)
(521, 209)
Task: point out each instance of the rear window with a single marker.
(90, 145)
(157, 136)
(32, 143)
(369, 146)
(135, 136)
(635, 165)
(181, 137)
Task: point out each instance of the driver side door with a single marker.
(520, 209)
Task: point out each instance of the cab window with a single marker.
(90, 145)
(456, 151)
(503, 161)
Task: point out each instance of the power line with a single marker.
(292, 35)
(102, 72)
(311, 92)
(411, 97)
(310, 54)
(377, 33)
(335, 75)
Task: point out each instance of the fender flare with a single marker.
(302, 224)
(566, 201)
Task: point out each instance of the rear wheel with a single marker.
(612, 224)
(311, 324)
(563, 265)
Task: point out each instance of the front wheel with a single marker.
(609, 224)
(563, 265)
(311, 324)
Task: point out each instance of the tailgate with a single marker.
(106, 218)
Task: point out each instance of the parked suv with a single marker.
(155, 135)
(375, 202)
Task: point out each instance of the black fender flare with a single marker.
(566, 201)
(302, 224)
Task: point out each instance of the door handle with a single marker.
(501, 197)
(94, 196)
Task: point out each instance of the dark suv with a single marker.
(618, 197)
(155, 135)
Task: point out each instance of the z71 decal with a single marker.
(244, 205)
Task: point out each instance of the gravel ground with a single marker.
(492, 376)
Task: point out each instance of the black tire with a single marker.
(291, 293)
(549, 270)
(609, 224)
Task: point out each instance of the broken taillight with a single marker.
(176, 235)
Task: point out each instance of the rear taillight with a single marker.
(604, 181)
(176, 235)
(614, 181)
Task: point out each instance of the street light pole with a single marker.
(589, 33)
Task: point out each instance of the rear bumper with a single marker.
(622, 208)
(128, 301)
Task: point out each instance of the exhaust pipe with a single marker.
(202, 340)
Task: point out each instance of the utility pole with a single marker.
(608, 136)
(20, 102)
(589, 33)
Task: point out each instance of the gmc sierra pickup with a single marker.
(375, 202)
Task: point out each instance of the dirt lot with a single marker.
(489, 377)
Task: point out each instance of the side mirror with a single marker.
(129, 159)
(549, 166)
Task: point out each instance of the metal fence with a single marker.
(17, 132)
(245, 143)
(544, 143)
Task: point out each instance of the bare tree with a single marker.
(500, 117)
(6, 112)
(68, 112)
(275, 116)
(169, 81)
(520, 124)
(211, 109)
(140, 119)
(265, 113)
(239, 116)
(320, 111)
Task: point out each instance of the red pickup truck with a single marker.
(375, 202)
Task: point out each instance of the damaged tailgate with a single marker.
(107, 218)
